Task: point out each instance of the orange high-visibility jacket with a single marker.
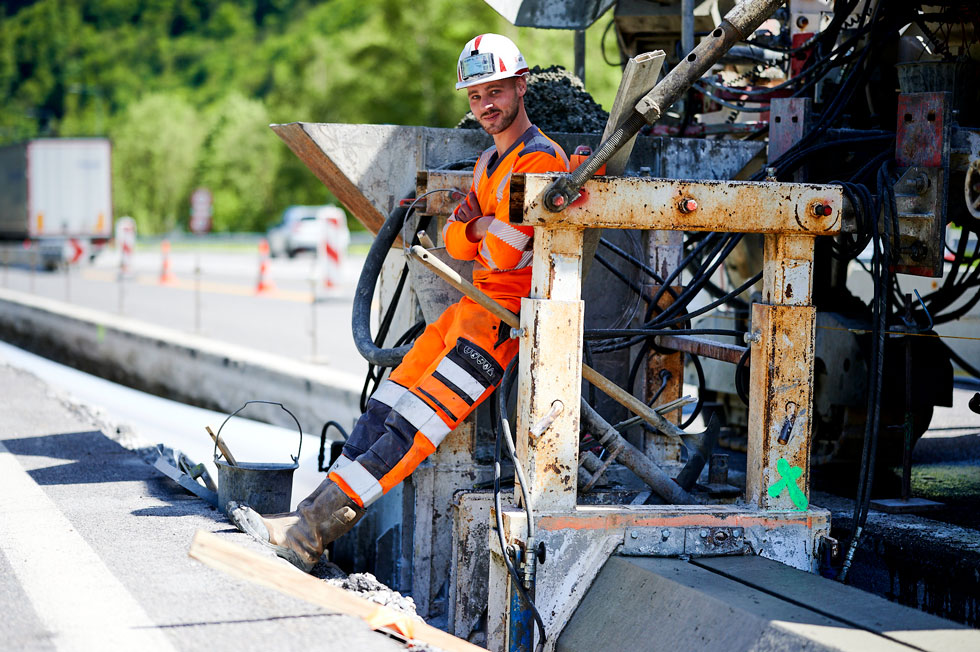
(503, 256)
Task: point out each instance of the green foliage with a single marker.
(238, 161)
(156, 143)
(186, 88)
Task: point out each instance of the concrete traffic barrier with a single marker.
(182, 366)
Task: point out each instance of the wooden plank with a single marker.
(222, 446)
(846, 603)
(235, 560)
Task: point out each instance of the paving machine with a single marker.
(787, 218)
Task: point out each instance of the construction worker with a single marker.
(458, 360)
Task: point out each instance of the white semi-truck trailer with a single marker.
(55, 200)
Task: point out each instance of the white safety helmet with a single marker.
(489, 57)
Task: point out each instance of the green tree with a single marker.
(239, 161)
(156, 144)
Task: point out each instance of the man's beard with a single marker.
(502, 123)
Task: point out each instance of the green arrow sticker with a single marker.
(789, 475)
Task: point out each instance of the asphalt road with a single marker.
(93, 548)
(221, 301)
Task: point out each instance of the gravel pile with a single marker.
(368, 587)
(556, 101)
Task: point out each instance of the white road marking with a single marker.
(75, 595)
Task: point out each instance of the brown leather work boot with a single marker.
(299, 537)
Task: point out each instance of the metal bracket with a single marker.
(693, 541)
(922, 150)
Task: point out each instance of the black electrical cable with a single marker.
(655, 301)
(702, 386)
(727, 298)
(608, 333)
(880, 265)
(740, 370)
(504, 436)
(700, 278)
(622, 277)
(729, 105)
(633, 260)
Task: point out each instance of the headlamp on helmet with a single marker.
(486, 58)
(477, 65)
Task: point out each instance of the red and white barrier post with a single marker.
(125, 243)
(334, 239)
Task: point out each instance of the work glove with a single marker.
(468, 208)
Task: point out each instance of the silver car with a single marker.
(301, 229)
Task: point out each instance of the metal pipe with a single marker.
(738, 24)
(580, 53)
(687, 25)
(701, 347)
(633, 459)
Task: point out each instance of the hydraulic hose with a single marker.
(364, 294)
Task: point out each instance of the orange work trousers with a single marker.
(453, 366)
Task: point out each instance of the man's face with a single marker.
(495, 104)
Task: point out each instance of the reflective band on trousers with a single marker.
(461, 378)
(422, 417)
(361, 482)
(388, 392)
(340, 463)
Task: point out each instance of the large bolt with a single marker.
(822, 210)
(704, 534)
(687, 205)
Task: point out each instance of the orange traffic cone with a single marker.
(166, 276)
(264, 285)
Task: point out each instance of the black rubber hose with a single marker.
(364, 294)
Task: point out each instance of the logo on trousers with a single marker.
(479, 359)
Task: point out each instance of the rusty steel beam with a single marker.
(441, 203)
(647, 203)
(701, 347)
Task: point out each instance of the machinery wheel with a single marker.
(971, 188)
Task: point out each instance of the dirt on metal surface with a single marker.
(556, 101)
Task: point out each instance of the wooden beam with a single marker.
(235, 560)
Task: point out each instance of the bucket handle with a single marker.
(247, 403)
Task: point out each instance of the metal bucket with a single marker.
(265, 487)
(433, 293)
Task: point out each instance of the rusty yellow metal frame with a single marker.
(679, 205)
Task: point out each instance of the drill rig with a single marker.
(788, 217)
